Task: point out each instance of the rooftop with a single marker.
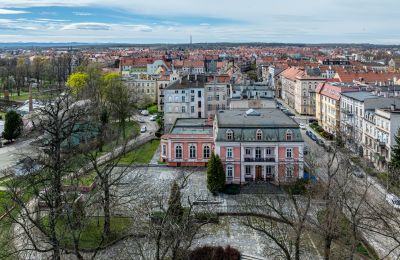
(360, 96)
(192, 126)
(190, 81)
(245, 118)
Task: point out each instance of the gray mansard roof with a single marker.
(244, 124)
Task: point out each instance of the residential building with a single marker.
(189, 143)
(353, 106)
(327, 103)
(216, 97)
(298, 89)
(251, 96)
(146, 87)
(184, 98)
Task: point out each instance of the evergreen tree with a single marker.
(12, 126)
(215, 174)
(174, 202)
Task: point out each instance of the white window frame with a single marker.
(229, 171)
(176, 151)
(209, 151)
(229, 153)
(289, 152)
(194, 155)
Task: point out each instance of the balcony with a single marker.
(268, 159)
(347, 112)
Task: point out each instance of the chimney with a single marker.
(30, 98)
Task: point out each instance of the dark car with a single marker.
(313, 137)
(320, 142)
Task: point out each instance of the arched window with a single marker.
(229, 171)
(259, 135)
(192, 151)
(289, 135)
(206, 152)
(229, 135)
(178, 152)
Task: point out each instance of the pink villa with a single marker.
(254, 145)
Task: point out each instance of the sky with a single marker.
(173, 21)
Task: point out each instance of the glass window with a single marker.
(183, 109)
(268, 151)
(229, 152)
(258, 135)
(178, 152)
(206, 152)
(229, 135)
(192, 109)
(289, 171)
(289, 135)
(164, 150)
(192, 151)
(258, 152)
(191, 98)
(248, 170)
(229, 171)
(248, 151)
(183, 99)
(289, 152)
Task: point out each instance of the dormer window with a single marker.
(229, 135)
(259, 135)
(289, 135)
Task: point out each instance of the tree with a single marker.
(215, 174)
(13, 126)
(77, 82)
(174, 202)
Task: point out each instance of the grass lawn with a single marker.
(142, 154)
(91, 232)
(5, 226)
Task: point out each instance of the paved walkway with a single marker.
(156, 156)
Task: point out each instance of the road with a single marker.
(10, 154)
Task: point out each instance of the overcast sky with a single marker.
(173, 21)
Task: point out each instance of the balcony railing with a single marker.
(268, 159)
(347, 112)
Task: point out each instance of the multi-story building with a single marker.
(379, 137)
(184, 98)
(254, 145)
(353, 106)
(216, 97)
(327, 103)
(262, 144)
(145, 87)
(298, 89)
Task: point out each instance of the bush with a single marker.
(214, 253)
(298, 188)
(231, 189)
(12, 126)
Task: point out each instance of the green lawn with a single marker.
(91, 232)
(142, 154)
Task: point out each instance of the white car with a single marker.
(141, 120)
(144, 113)
(393, 200)
(153, 118)
(302, 126)
(143, 129)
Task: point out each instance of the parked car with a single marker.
(393, 200)
(320, 142)
(144, 113)
(153, 118)
(312, 136)
(302, 126)
(305, 150)
(141, 120)
(143, 129)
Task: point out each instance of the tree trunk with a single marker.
(297, 248)
(327, 249)
(106, 206)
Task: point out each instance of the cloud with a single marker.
(204, 24)
(87, 26)
(82, 13)
(9, 11)
(140, 27)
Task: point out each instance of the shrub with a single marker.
(12, 126)
(231, 189)
(299, 187)
(214, 253)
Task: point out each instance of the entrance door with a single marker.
(258, 172)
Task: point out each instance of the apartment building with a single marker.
(216, 97)
(184, 98)
(298, 89)
(327, 104)
(353, 107)
(251, 96)
(146, 87)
